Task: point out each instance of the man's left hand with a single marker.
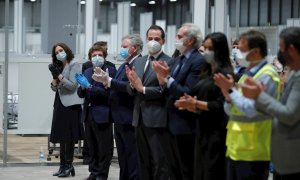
(251, 89)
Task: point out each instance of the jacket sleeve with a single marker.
(288, 113)
(119, 85)
(177, 90)
(70, 82)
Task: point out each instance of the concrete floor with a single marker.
(45, 172)
(23, 162)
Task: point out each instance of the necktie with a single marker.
(122, 71)
(178, 67)
(150, 59)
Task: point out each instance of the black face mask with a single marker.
(281, 58)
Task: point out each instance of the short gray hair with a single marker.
(194, 32)
(136, 40)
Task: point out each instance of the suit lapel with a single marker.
(139, 66)
(185, 67)
(151, 71)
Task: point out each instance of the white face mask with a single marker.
(98, 61)
(153, 47)
(209, 56)
(240, 57)
(61, 56)
(179, 44)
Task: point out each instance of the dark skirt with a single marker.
(66, 123)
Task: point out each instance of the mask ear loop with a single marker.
(131, 55)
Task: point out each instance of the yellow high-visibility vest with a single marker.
(250, 140)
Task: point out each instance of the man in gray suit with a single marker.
(150, 113)
(285, 146)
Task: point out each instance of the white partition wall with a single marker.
(30, 79)
(35, 98)
(123, 21)
(146, 20)
(171, 34)
(221, 15)
(113, 47)
(89, 25)
(200, 15)
(18, 26)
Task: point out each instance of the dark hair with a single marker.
(97, 48)
(291, 36)
(155, 27)
(256, 39)
(222, 58)
(66, 48)
(100, 43)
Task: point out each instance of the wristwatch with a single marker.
(167, 78)
(229, 91)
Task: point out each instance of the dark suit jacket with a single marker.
(121, 103)
(96, 97)
(151, 106)
(182, 122)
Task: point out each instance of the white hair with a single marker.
(135, 40)
(194, 32)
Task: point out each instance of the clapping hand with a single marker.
(101, 76)
(251, 89)
(187, 102)
(162, 70)
(134, 79)
(82, 81)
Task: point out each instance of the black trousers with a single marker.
(100, 142)
(127, 151)
(186, 151)
(277, 176)
(170, 147)
(152, 160)
(66, 153)
(247, 170)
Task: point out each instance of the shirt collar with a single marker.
(188, 54)
(255, 68)
(133, 59)
(155, 55)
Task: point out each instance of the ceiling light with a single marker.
(132, 4)
(173, 0)
(82, 2)
(32, 0)
(151, 2)
(100, 0)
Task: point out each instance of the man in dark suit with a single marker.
(96, 115)
(121, 108)
(149, 114)
(179, 80)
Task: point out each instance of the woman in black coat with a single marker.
(66, 128)
(206, 100)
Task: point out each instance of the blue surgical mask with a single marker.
(124, 53)
(98, 61)
(61, 56)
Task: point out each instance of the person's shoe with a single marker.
(69, 170)
(60, 170)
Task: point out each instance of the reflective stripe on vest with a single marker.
(248, 138)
